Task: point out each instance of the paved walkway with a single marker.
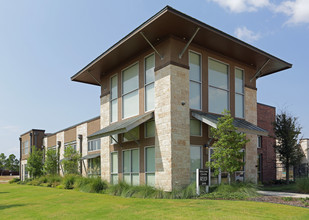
(283, 194)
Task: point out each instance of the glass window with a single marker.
(72, 144)
(131, 135)
(131, 166)
(149, 82)
(114, 167)
(114, 99)
(239, 93)
(195, 127)
(94, 167)
(196, 161)
(26, 147)
(94, 145)
(130, 100)
(218, 91)
(195, 80)
(259, 141)
(150, 165)
(150, 129)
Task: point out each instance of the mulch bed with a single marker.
(279, 200)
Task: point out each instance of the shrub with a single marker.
(14, 180)
(90, 184)
(68, 181)
(302, 185)
(287, 199)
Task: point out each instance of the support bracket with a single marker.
(116, 140)
(133, 138)
(94, 77)
(151, 45)
(189, 42)
(258, 73)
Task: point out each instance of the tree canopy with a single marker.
(70, 160)
(35, 162)
(51, 162)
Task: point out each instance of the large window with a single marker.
(26, 147)
(94, 167)
(149, 82)
(114, 167)
(150, 166)
(114, 99)
(131, 166)
(195, 80)
(131, 135)
(239, 93)
(150, 129)
(130, 100)
(195, 128)
(196, 161)
(218, 90)
(72, 144)
(94, 145)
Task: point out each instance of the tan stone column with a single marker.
(172, 143)
(105, 141)
(251, 147)
(82, 130)
(60, 137)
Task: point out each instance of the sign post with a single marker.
(202, 179)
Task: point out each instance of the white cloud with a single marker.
(297, 10)
(247, 35)
(238, 6)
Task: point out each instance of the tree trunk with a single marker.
(287, 167)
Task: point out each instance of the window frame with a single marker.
(201, 159)
(228, 84)
(237, 93)
(89, 168)
(122, 94)
(113, 99)
(145, 129)
(97, 149)
(72, 144)
(131, 173)
(145, 84)
(201, 74)
(201, 128)
(111, 166)
(145, 163)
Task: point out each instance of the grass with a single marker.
(35, 202)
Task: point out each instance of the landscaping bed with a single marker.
(299, 202)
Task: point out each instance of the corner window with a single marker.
(131, 135)
(149, 82)
(114, 99)
(196, 161)
(94, 145)
(150, 166)
(195, 128)
(131, 166)
(218, 87)
(195, 80)
(150, 129)
(239, 93)
(130, 100)
(114, 167)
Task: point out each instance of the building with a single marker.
(162, 87)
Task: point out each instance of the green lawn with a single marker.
(34, 202)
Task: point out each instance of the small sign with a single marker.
(203, 177)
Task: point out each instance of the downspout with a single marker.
(20, 156)
(80, 137)
(58, 151)
(30, 143)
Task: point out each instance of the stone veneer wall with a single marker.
(251, 147)
(105, 141)
(82, 130)
(60, 137)
(172, 142)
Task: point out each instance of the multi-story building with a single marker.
(162, 87)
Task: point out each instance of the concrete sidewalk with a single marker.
(283, 194)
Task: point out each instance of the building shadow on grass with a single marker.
(2, 207)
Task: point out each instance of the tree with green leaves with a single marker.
(228, 146)
(287, 146)
(2, 163)
(70, 160)
(35, 163)
(51, 162)
(12, 163)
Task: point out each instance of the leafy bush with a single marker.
(302, 185)
(92, 185)
(14, 180)
(68, 181)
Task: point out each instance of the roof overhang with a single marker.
(168, 22)
(123, 126)
(240, 124)
(90, 156)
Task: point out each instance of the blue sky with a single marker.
(44, 43)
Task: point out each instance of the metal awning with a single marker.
(241, 124)
(122, 126)
(90, 156)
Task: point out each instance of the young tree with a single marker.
(51, 162)
(70, 161)
(227, 154)
(2, 162)
(12, 163)
(35, 163)
(287, 131)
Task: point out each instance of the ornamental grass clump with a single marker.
(302, 185)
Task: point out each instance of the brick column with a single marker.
(172, 143)
(251, 147)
